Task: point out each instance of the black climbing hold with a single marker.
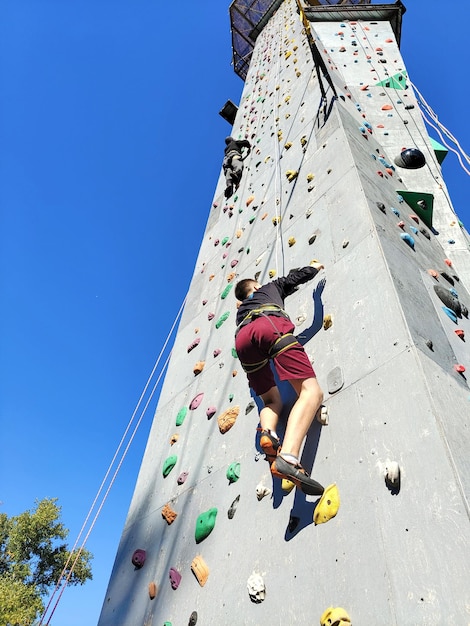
(410, 159)
(381, 206)
(193, 619)
(424, 232)
(448, 299)
(429, 344)
(233, 507)
(448, 278)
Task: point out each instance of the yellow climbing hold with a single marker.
(272, 273)
(287, 485)
(327, 322)
(288, 53)
(238, 234)
(291, 241)
(310, 177)
(335, 617)
(288, 145)
(303, 142)
(291, 175)
(276, 220)
(327, 506)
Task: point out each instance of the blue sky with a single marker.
(110, 150)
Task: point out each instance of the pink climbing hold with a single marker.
(234, 262)
(138, 558)
(210, 316)
(196, 401)
(204, 302)
(193, 344)
(211, 411)
(181, 478)
(216, 352)
(175, 578)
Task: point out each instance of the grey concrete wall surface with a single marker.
(390, 557)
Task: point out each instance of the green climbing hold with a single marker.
(224, 241)
(169, 464)
(421, 203)
(233, 472)
(397, 81)
(252, 219)
(205, 524)
(234, 353)
(230, 397)
(181, 415)
(226, 291)
(439, 150)
(222, 319)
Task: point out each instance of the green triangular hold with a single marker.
(416, 200)
(205, 524)
(439, 150)
(397, 81)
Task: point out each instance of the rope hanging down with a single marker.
(317, 58)
(59, 585)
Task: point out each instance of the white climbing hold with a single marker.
(256, 588)
(322, 415)
(262, 491)
(392, 473)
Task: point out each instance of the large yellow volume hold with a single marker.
(328, 505)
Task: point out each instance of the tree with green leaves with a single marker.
(33, 554)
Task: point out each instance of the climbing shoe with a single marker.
(270, 445)
(296, 474)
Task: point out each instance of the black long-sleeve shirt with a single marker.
(236, 145)
(276, 291)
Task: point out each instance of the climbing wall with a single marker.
(210, 536)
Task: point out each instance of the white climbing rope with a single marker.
(441, 129)
(60, 584)
(277, 152)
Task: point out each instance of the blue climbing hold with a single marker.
(454, 293)
(450, 313)
(396, 211)
(414, 230)
(408, 239)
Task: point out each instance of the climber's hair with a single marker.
(243, 287)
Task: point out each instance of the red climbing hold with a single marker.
(460, 333)
(448, 262)
(459, 368)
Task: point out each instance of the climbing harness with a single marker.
(283, 342)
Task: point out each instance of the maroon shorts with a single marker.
(253, 343)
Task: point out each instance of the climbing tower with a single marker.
(210, 536)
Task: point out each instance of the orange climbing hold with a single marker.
(228, 418)
(197, 369)
(249, 200)
(200, 569)
(152, 590)
(387, 107)
(168, 514)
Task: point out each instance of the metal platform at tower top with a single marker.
(249, 17)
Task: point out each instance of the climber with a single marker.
(264, 333)
(233, 163)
